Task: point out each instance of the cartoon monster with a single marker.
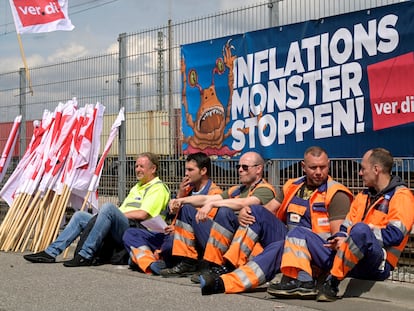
(211, 118)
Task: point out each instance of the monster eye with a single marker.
(192, 77)
(220, 65)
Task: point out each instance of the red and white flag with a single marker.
(16, 182)
(35, 16)
(9, 147)
(114, 131)
(87, 149)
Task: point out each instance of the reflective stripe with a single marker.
(354, 249)
(133, 204)
(140, 251)
(185, 227)
(394, 251)
(240, 239)
(257, 271)
(297, 253)
(378, 236)
(349, 264)
(399, 225)
(347, 223)
(224, 232)
(297, 241)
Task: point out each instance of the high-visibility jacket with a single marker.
(235, 191)
(312, 213)
(391, 226)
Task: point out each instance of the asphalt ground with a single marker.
(28, 286)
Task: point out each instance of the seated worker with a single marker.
(314, 203)
(146, 199)
(375, 230)
(141, 243)
(217, 212)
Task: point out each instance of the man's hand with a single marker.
(175, 205)
(335, 243)
(202, 213)
(169, 229)
(183, 187)
(245, 216)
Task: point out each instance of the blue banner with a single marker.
(343, 83)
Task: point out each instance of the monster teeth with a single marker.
(210, 113)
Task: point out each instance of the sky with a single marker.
(97, 26)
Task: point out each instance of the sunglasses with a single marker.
(245, 167)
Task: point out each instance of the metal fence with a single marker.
(144, 77)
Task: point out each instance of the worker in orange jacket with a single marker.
(314, 203)
(376, 228)
(218, 213)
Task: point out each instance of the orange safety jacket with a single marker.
(292, 212)
(235, 191)
(210, 189)
(400, 214)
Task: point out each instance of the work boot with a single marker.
(203, 267)
(329, 290)
(78, 261)
(184, 268)
(211, 284)
(41, 257)
(213, 270)
(293, 288)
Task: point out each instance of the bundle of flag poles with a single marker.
(60, 166)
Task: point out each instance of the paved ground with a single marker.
(27, 286)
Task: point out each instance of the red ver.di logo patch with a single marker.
(392, 91)
(35, 12)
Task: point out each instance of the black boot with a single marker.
(293, 288)
(211, 284)
(185, 268)
(78, 261)
(329, 290)
(41, 257)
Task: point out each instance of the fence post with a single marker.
(122, 129)
(22, 111)
(171, 117)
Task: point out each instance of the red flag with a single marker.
(35, 16)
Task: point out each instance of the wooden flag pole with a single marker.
(19, 39)
(20, 221)
(5, 225)
(14, 221)
(34, 221)
(42, 229)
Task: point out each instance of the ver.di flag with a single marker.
(35, 16)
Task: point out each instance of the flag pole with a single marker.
(19, 39)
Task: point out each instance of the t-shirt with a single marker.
(151, 197)
(264, 194)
